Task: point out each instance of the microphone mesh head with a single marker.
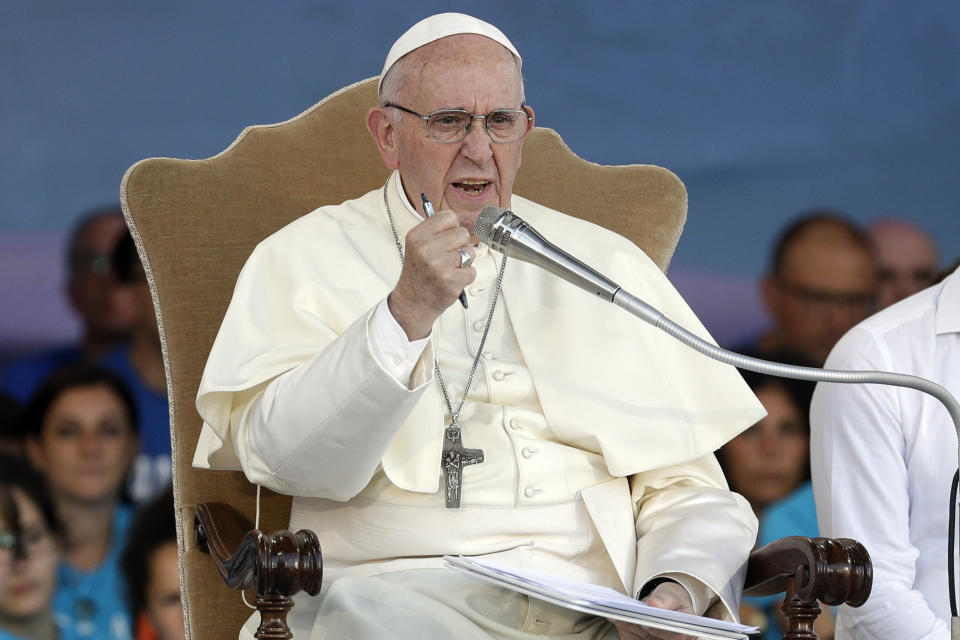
(483, 226)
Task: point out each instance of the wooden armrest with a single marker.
(275, 566)
(833, 571)
(810, 571)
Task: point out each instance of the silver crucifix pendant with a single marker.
(453, 459)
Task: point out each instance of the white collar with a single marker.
(405, 201)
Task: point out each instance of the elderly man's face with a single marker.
(459, 72)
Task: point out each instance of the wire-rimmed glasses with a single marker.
(453, 125)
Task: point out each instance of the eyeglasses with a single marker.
(852, 301)
(34, 540)
(95, 263)
(921, 276)
(453, 125)
(8, 541)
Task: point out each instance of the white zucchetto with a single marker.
(439, 26)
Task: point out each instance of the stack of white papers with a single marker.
(599, 601)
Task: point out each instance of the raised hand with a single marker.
(431, 279)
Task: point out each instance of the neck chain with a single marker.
(454, 457)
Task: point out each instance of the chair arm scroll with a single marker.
(276, 566)
(833, 571)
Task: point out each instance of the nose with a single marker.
(768, 445)
(90, 443)
(477, 145)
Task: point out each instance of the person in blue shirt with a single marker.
(90, 282)
(81, 433)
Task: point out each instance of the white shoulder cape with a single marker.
(607, 382)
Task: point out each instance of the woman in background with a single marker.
(81, 433)
(29, 553)
(771, 459)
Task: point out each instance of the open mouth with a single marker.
(472, 187)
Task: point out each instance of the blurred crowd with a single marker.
(88, 545)
(826, 274)
(87, 532)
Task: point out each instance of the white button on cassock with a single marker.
(515, 424)
(531, 492)
(498, 375)
(478, 325)
(528, 452)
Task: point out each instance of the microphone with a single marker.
(506, 232)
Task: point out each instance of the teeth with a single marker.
(471, 186)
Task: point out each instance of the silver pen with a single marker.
(429, 212)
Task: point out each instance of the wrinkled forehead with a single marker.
(464, 62)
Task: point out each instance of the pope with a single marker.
(535, 426)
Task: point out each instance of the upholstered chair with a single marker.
(196, 221)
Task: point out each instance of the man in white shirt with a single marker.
(347, 374)
(883, 459)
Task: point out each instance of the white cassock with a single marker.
(598, 431)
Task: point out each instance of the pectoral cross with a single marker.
(453, 459)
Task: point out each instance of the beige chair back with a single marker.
(196, 221)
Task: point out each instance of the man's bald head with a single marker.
(821, 283)
(907, 259)
(822, 230)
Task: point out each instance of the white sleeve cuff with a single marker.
(388, 341)
(701, 596)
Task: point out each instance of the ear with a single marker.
(533, 123)
(34, 453)
(770, 294)
(381, 127)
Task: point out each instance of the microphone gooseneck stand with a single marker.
(507, 233)
(649, 314)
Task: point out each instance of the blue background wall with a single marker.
(764, 109)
